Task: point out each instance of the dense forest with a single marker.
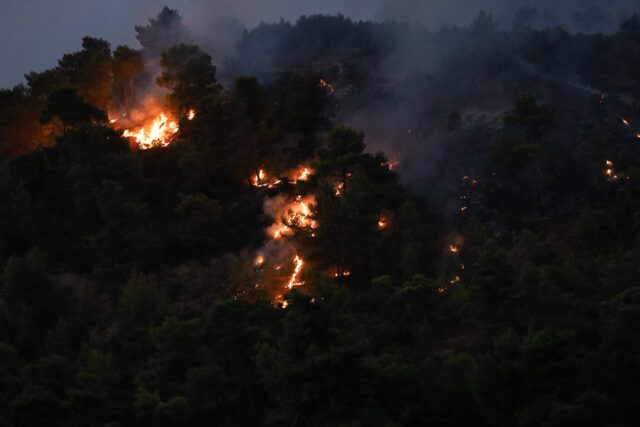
(343, 224)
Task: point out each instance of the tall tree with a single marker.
(162, 32)
(127, 64)
(189, 74)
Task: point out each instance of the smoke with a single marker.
(36, 33)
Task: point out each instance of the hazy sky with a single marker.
(35, 33)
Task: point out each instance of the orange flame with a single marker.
(294, 280)
(261, 180)
(303, 175)
(392, 164)
(158, 134)
(383, 222)
(297, 213)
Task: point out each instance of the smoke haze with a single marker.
(36, 33)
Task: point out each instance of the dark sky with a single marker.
(35, 33)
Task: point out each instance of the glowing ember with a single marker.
(453, 248)
(294, 280)
(326, 86)
(455, 280)
(625, 122)
(383, 222)
(158, 134)
(610, 171)
(392, 164)
(259, 260)
(339, 189)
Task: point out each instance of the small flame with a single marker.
(326, 86)
(453, 248)
(191, 114)
(294, 280)
(303, 175)
(625, 122)
(261, 180)
(383, 222)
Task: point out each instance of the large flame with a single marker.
(159, 132)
